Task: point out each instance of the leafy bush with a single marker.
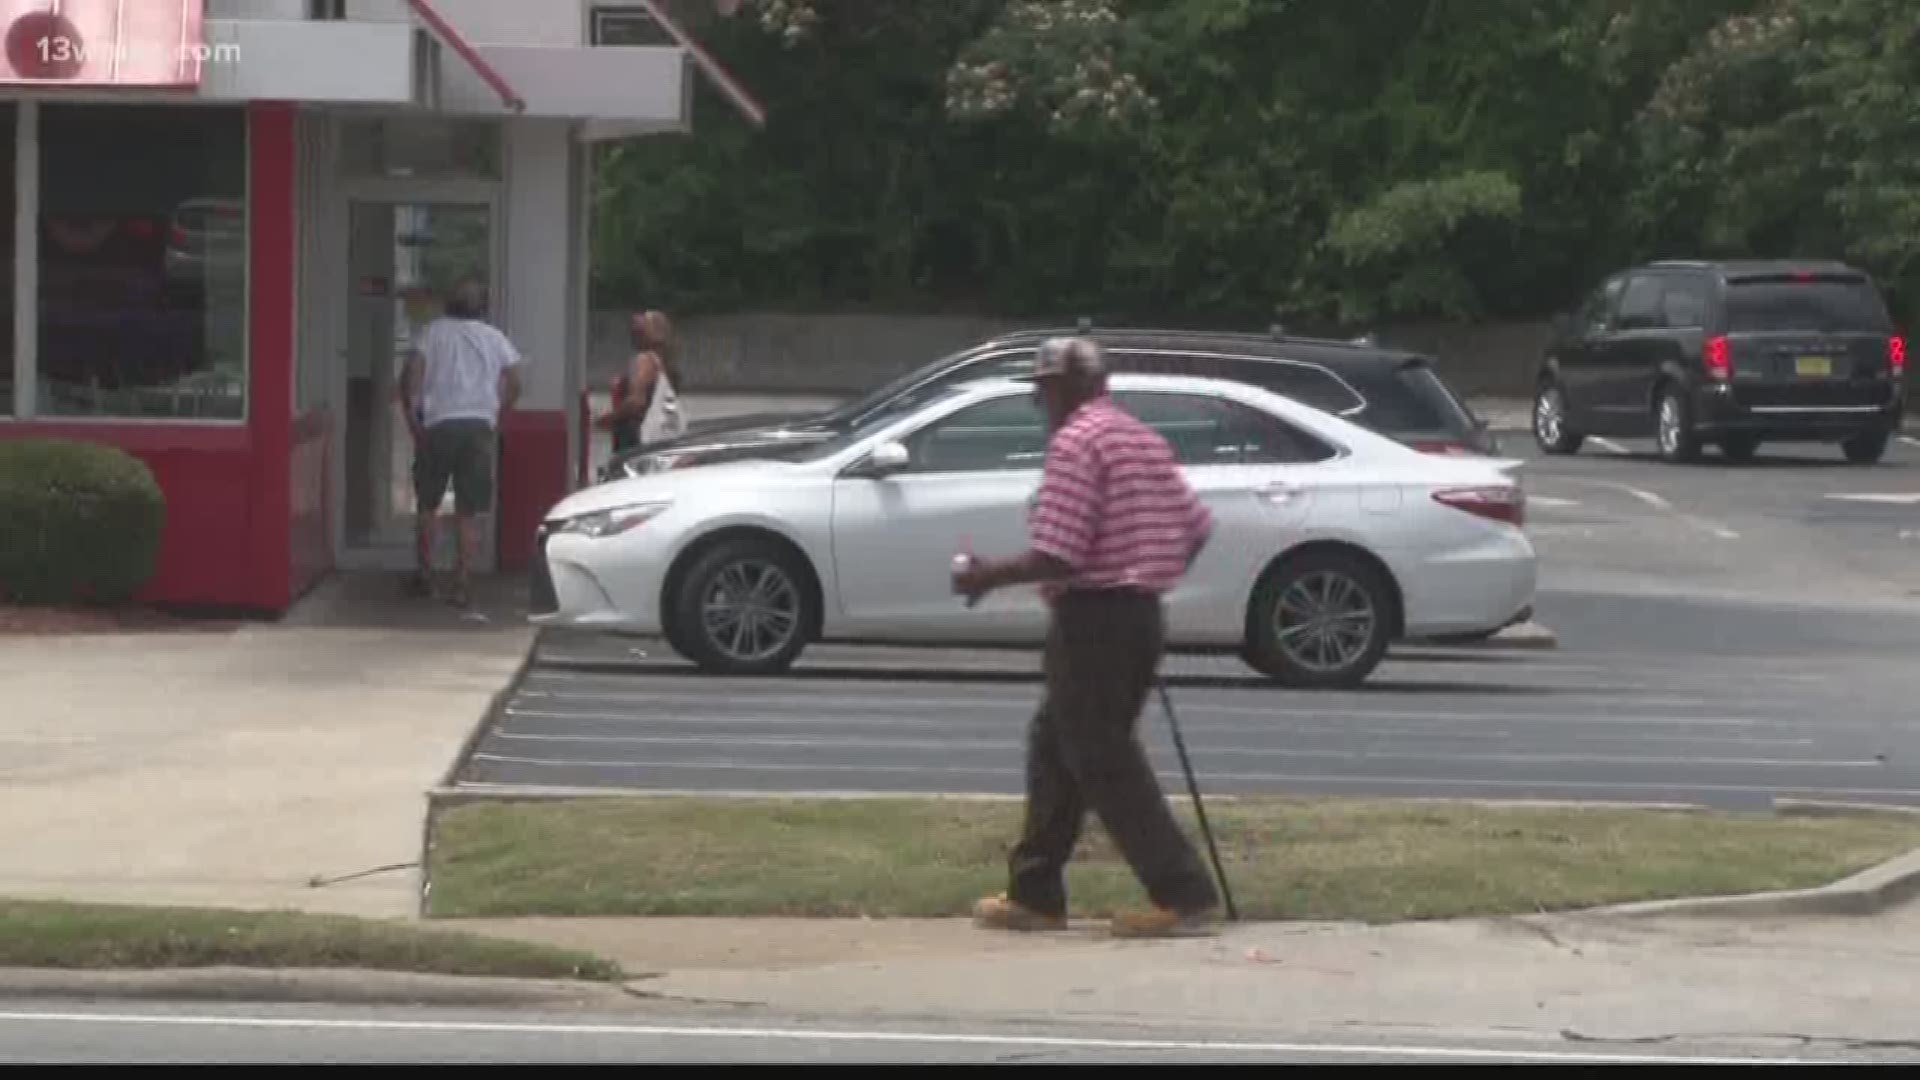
(79, 523)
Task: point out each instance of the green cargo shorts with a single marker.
(459, 452)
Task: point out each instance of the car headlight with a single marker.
(613, 522)
(649, 464)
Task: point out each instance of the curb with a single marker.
(1526, 635)
(306, 986)
(1868, 892)
(489, 717)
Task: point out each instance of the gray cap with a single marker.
(1068, 356)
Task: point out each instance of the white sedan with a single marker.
(1330, 543)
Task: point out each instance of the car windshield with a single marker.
(892, 412)
(1777, 304)
(855, 411)
(926, 383)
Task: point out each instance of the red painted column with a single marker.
(533, 476)
(272, 248)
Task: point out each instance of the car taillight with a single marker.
(1507, 503)
(1897, 354)
(1718, 354)
(178, 236)
(1428, 446)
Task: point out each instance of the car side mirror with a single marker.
(887, 458)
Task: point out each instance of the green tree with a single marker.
(1790, 130)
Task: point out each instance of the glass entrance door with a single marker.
(402, 257)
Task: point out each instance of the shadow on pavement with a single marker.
(376, 600)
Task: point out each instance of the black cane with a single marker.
(1199, 808)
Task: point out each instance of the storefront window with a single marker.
(143, 262)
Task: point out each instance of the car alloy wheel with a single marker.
(1547, 416)
(750, 611)
(744, 607)
(1322, 620)
(1550, 421)
(1674, 428)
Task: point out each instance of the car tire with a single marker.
(1867, 448)
(760, 582)
(1550, 427)
(1327, 590)
(1673, 426)
(1739, 448)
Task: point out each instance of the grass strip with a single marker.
(42, 934)
(1338, 859)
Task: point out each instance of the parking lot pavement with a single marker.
(1799, 524)
(1738, 732)
(1729, 634)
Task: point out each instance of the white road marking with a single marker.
(1609, 445)
(1652, 499)
(924, 1038)
(1887, 498)
(1659, 502)
(1910, 440)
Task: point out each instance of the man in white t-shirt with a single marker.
(461, 375)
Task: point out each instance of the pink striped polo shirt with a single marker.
(1113, 504)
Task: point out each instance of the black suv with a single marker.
(1736, 353)
(1397, 394)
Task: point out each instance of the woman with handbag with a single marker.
(646, 397)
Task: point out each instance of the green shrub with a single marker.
(79, 523)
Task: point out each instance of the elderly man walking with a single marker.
(1114, 527)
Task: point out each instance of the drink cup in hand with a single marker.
(961, 564)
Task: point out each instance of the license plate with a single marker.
(1813, 365)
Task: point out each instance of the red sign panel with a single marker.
(105, 43)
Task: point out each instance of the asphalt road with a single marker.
(1731, 635)
(46, 1033)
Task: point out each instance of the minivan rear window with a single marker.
(1772, 304)
(1410, 399)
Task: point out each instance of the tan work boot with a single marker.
(1165, 923)
(1000, 913)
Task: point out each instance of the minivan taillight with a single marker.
(1897, 354)
(1718, 353)
(1506, 504)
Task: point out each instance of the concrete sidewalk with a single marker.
(1566, 978)
(233, 768)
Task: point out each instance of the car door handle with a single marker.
(1279, 491)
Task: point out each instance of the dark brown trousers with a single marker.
(1084, 753)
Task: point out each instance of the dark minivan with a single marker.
(1733, 353)
(1394, 393)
